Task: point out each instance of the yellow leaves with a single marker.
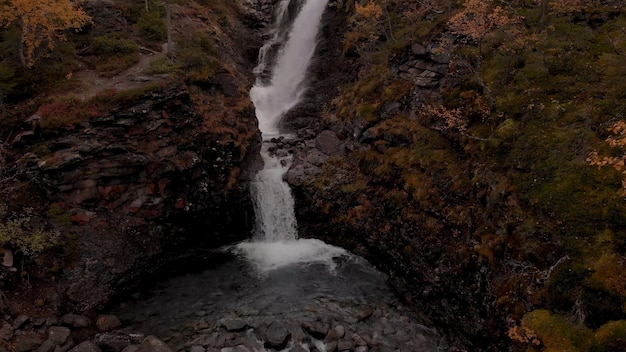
(445, 119)
(371, 11)
(479, 18)
(617, 162)
(41, 23)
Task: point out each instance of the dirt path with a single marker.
(90, 83)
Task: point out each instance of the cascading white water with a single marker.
(286, 87)
(276, 234)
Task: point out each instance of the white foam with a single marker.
(268, 256)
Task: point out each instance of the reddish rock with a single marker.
(180, 203)
(80, 218)
(108, 323)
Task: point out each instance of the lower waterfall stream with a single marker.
(277, 292)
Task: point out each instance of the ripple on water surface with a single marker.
(299, 295)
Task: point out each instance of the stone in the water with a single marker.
(361, 349)
(131, 348)
(87, 346)
(20, 321)
(47, 346)
(197, 348)
(153, 344)
(317, 330)
(114, 341)
(336, 333)
(65, 347)
(6, 332)
(365, 314)
(108, 323)
(276, 336)
(234, 324)
(58, 334)
(75, 320)
(28, 344)
(331, 346)
(345, 345)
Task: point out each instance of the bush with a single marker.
(26, 232)
(196, 57)
(113, 44)
(162, 65)
(152, 26)
(115, 53)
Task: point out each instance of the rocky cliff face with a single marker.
(149, 175)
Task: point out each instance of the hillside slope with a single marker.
(476, 155)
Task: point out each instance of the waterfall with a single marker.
(287, 83)
(281, 83)
(274, 202)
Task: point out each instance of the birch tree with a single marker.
(41, 23)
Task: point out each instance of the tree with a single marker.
(40, 22)
(479, 18)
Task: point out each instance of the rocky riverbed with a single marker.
(337, 302)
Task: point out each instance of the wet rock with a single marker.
(361, 349)
(153, 344)
(116, 341)
(7, 258)
(39, 322)
(315, 157)
(345, 345)
(131, 348)
(234, 324)
(28, 344)
(47, 346)
(6, 332)
(197, 348)
(331, 346)
(58, 334)
(75, 320)
(65, 347)
(336, 333)
(276, 336)
(328, 143)
(20, 321)
(317, 330)
(418, 49)
(358, 340)
(50, 321)
(298, 348)
(86, 346)
(108, 323)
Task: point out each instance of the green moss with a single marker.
(557, 333)
(152, 26)
(196, 57)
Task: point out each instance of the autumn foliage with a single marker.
(479, 18)
(616, 140)
(41, 23)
